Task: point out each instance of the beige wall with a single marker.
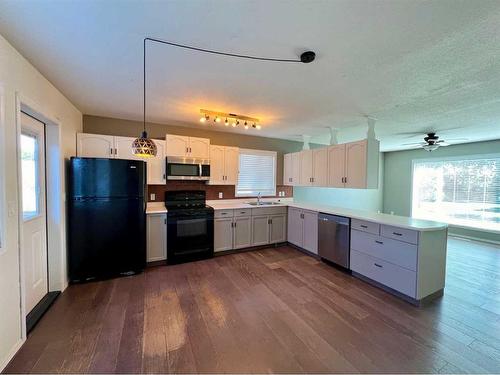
(112, 126)
(17, 75)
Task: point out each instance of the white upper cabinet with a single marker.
(95, 145)
(287, 169)
(123, 149)
(306, 168)
(199, 148)
(189, 147)
(156, 166)
(296, 163)
(224, 164)
(177, 145)
(362, 164)
(336, 165)
(320, 167)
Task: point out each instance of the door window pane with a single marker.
(30, 181)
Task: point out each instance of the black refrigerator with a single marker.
(106, 218)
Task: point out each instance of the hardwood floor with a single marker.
(272, 310)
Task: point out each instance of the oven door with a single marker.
(190, 236)
(182, 171)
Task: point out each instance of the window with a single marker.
(257, 173)
(462, 192)
(30, 180)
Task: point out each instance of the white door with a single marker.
(34, 227)
(355, 155)
(156, 173)
(336, 165)
(176, 145)
(123, 149)
(242, 232)
(295, 224)
(199, 148)
(320, 167)
(287, 169)
(217, 165)
(223, 234)
(94, 145)
(296, 158)
(310, 236)
(231, 165)
(157, 237)
(306, 168)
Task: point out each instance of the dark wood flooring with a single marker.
(271, 310)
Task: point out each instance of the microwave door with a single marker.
(180, 171)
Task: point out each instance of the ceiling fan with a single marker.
(432, 142)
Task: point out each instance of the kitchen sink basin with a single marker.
(263, 203)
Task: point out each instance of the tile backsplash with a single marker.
(228, 191)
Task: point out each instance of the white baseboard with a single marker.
(5, 361)
(471, 238)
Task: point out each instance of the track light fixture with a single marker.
(230, 118)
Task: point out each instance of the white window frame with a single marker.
(452, 158)
(274, 154)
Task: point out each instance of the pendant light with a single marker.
(143, 146)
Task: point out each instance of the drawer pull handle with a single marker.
(242, 212)
(378, 265)
(397, 234)
(223, 213)
(379, 242)
(364, 226)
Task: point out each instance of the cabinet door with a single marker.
(287, 169)
(176, 145)
(217, 165)
(320, 167)
(223, 234)
(231, 165)
(306, 168)
(199, 148)
(157, 237)
(310, 230)
(123, 149)
(242, 232)
(277, 230)
(156, 173)
(355, 154)
(94, 145)
(260, 230)
(336, 165)
(296, 158)
(295, 231)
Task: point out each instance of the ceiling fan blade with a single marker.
(443, 144)
(458, 139)
(412, 144)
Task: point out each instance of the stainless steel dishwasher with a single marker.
(334, 234)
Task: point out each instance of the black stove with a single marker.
(190, 226)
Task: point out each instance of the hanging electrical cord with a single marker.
(143, 146)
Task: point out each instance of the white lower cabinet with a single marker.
(156, 237)
(242, 228)
(303, 229)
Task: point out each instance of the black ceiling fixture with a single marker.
(143, 146)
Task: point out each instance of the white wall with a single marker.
(17, 75)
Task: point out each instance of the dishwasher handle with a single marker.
(339, 220)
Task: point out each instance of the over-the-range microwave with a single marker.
(179, 168)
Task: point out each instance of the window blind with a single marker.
(463, 192)
(257, 173)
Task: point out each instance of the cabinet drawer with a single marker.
(223, 213)
(242, 212)
(400, 253)
(400, 234)
(385, 273)
(365, 226)
(268, 211)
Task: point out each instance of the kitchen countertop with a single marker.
(395, 220)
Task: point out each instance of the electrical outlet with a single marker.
(220, 195)
(152, 197)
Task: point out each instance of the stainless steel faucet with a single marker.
(258, 199)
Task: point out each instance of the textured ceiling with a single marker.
(413, 65)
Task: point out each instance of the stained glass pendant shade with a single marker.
(144, 147)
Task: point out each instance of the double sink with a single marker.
(263, 203)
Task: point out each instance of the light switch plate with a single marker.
(152, 196)
(220, 195)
